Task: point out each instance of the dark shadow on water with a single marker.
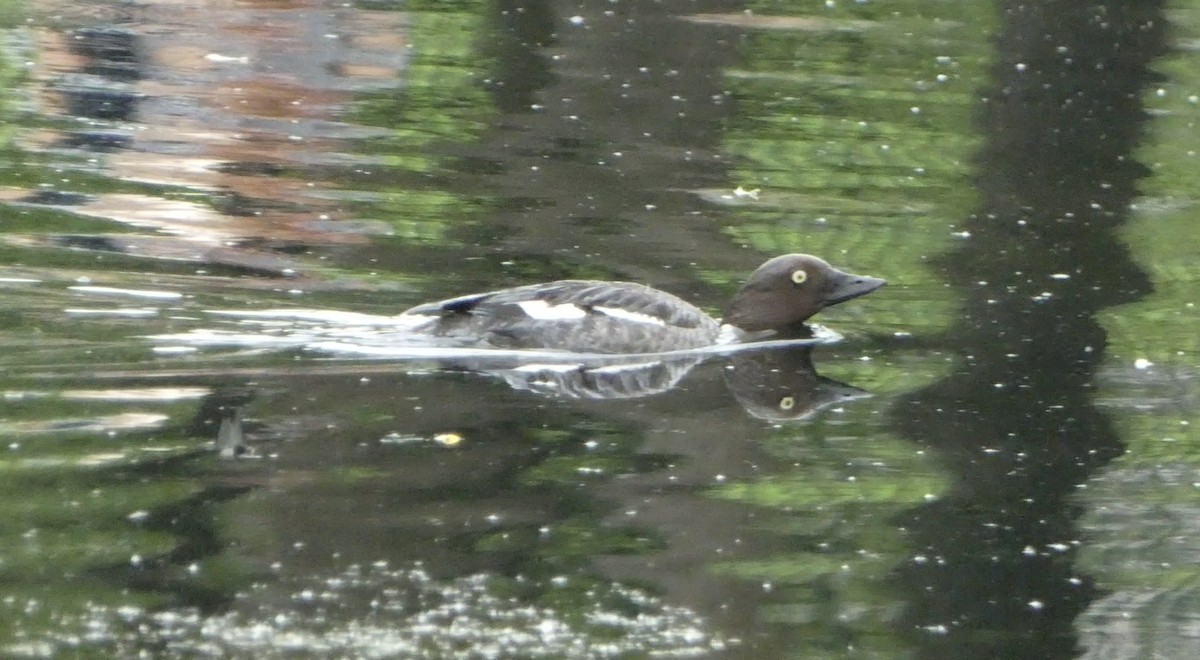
(517, 43)
(993, 573)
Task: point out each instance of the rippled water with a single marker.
(211, 211)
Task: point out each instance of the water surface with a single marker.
(995, 459)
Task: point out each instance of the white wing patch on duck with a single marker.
(541, 310)
(544, 311)
(627, 315)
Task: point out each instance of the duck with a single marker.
(593, 316)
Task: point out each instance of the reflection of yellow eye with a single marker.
(787, 402)
(799, 276)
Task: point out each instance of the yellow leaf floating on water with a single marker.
(448, 439)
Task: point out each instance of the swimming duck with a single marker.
(590, 316)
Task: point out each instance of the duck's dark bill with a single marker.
(844, 286)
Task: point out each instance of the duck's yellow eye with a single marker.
(787, 402)
(799, 276)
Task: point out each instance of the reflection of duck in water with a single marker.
(621, 317)
(773, 381)
(781, 384)
(777, 382)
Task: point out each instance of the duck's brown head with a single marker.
(791, 288)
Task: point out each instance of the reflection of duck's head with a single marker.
(789, 289)
(782, 385)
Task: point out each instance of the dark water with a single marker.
(995, 461)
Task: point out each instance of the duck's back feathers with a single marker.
(573, 315)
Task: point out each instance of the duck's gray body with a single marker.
(588, 316)
(584, 316)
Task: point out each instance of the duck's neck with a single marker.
(731, 334)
